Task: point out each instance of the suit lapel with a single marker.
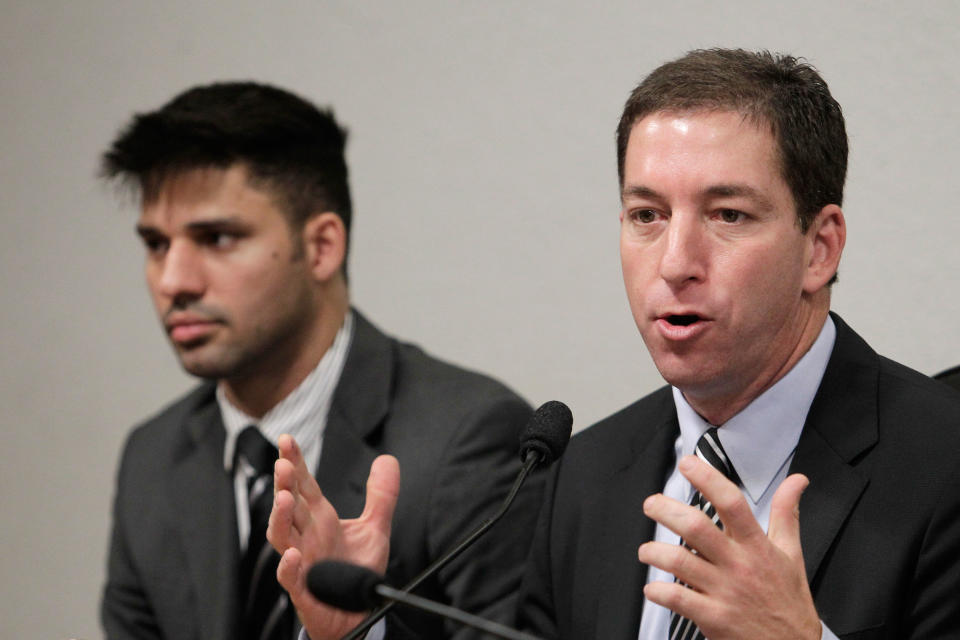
(204, 509)
(360, 405)
(625, 527)
(841, 425)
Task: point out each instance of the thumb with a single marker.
(784, 529)
(383, 488)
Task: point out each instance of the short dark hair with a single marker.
(772, 89)
(289, 146)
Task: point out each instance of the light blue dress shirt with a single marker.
(759, 441)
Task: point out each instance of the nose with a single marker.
(684, 254)
(180, 273)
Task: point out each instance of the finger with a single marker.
(682, 563)
(738, 521)
(286, 481)
(303, 511)
(300, 481)
(284, 476)
(692, 525)
(383, 488)
(289, 449)
(304, 515)
(290, 574)
(784, 529)
(674, 596)
(280, 530)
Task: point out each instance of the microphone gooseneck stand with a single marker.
(531, 461)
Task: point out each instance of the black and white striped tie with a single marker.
(710, 451)
(265, 605)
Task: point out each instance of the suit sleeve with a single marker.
(935, 596)
(479, 466)
(125, 611)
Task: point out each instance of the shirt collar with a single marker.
(302, 413)
(760, 439)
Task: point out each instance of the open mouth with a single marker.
(682, 320)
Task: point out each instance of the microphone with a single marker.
(547, 432)
(354, 588)
(542, 440)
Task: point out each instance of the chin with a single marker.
(686, 375)
(204, 366)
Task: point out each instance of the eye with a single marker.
(643, 216)
(155, 245)
(732, 216)
(218, 239)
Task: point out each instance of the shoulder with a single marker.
(899, 393)
(612, 443)
(917, 415)
(908, 416)
(416, 380)
(629, 424)
(154, 439)
(420, 374)
(902, 385)
(463, 414)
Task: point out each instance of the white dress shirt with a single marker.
(302, 414)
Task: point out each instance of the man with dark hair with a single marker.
(732, 166)
(245, 218)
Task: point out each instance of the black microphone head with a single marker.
(344, 585)
(547, 432)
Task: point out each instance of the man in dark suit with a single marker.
(732, 166)
(245, 218)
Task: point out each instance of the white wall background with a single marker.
(484, 178)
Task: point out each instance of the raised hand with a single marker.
(743, 583)
(304, 528)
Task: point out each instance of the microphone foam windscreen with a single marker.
(547, 431)
(344, 585)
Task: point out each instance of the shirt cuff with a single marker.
(378, 632)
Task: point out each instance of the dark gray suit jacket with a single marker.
(174, 551)
(879, 523)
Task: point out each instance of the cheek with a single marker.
(633, 281)
(634, 263)
(151, 277)
(770, 283)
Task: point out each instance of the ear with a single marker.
(825, 239)
(325, 245)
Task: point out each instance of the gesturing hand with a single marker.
(742, 583)
(305, 528)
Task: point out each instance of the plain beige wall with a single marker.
(483, 170)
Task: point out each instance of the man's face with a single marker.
(226, 274)
(712, 257)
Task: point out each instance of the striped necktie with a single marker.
(265, 605)
(710, 451)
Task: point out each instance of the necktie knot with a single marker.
(256, 450)
(711, 451)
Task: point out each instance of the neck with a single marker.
(289, 364)
(717, 408)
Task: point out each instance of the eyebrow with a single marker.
(199, 225)
(740, 191)
(144, 230)
(216, 223)
(714, 191)
(639, 191)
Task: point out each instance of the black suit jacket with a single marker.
(879, 523)
(174, 551)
